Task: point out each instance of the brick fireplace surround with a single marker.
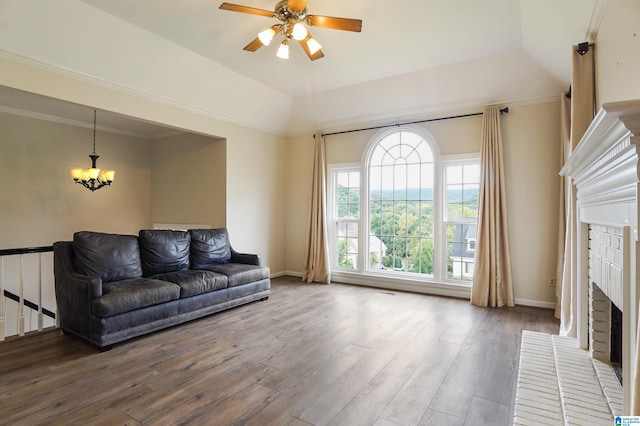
(604, 168)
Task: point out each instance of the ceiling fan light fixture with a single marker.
(283, 50)
(299, 31)
(313, 45)
(266, 36)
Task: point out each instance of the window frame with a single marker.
(332, 216)
(366, 159)
(454, 160)
(363, 274)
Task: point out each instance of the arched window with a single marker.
(401, 203)
(404, 212)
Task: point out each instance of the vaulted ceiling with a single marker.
(412, 56)
(398, 37)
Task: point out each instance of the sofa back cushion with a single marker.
(209, 247)
(163, 251)
(111, 257)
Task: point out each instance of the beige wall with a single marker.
(531, 154)
(256, 163)
(188, 180)
(40, 203)
(532, 161)
(618, 52)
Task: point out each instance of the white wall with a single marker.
(41, 204)
(618, 52)
(531, 153)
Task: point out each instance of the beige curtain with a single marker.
(582, 112)
(492, 283)
(565, 191)
(316, 262)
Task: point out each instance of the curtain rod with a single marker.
(504, 110)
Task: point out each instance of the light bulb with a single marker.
(299, 31)
(266, 36)
(313, 45)
(76, 173)
(283, 50)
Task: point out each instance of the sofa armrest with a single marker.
(246, 258)
(74, 292)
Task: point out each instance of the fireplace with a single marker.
(604, 170)
(606, 253)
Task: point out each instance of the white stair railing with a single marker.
(25, 289)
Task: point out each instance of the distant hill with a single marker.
(453, 196)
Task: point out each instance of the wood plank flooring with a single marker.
(311, 354)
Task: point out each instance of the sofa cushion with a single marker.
(193, 282)
(209, 247)
(128, 295)
(240, 273)
(163, 250)
(111, 257)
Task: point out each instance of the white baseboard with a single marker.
(286, 274)
(448, 290)
(535, 303)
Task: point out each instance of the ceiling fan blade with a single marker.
(344, 24)
(305, 47)
(314, 56)
(245, 9)
(257, 44)
(297, 5)
(254, 45)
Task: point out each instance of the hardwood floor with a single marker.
(311, 354)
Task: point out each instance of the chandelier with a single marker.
(92, 178)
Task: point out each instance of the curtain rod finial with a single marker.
(504, 110)
(582, 48)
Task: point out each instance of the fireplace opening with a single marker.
(616, 341)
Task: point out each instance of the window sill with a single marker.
(449, 289)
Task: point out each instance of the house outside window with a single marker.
(462, 184)
(404, 212)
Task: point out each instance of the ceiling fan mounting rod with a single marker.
(284, 13)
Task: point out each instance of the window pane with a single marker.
(386, 180)
(421, 256)
(347, 245)
(461, 251)
(426, 182)
(401, 225)
(454, 175)
(348, 195)
(461, 192)
(471, 173)
(454, 211)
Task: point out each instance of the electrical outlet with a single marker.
(552, 282)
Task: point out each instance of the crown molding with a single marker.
(125, 90)
(596, 18)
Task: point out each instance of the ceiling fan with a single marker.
(293, 15)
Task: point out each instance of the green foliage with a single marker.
(422, 262)
(344, 260)
(403, 220)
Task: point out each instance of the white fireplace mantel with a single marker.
(604, 169)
